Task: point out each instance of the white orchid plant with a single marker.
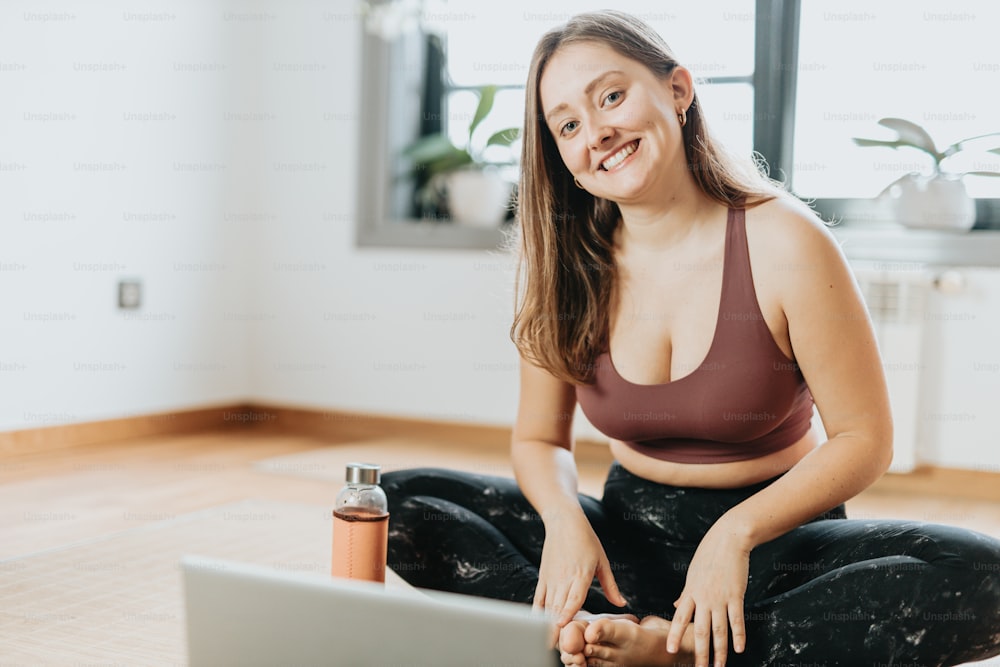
(911, 135)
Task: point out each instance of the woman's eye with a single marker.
(569, 127)
(612, 97)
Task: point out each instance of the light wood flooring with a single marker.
(52, 499)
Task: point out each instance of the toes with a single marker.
(598, 631)
(609, 631)
(572, 659)
(571, 637)
(604, 656)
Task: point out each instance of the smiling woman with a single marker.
(642, 240)
(632, 129)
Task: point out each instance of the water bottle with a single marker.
(360, 525)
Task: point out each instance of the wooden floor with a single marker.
(54, 498)
(57, 498)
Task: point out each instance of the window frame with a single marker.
(778, 44)
(374, 226)
(774, 79)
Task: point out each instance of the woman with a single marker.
(728, 311)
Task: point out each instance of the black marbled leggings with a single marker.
(849, 593)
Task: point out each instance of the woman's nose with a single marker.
(599, 135)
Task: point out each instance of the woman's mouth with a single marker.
(620, 156)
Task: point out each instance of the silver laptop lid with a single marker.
(241, 614)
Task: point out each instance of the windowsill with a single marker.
(871, 241)
(432, 235)
(979, 247)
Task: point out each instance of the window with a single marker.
(491, 44)
(501, 54)
(933, 63)
(793, 81)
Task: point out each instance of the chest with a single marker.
(664, 315)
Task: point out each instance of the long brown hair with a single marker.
(566, 269)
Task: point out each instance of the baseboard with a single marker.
(48, 438)
(330, 425)
(336, 425)
(937, 481)
(346, 426)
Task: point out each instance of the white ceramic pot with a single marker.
(478, 197)
(932, 202)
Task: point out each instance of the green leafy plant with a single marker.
(911, 135)
(438, 155)
(436, 159)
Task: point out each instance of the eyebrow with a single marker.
(587, 91)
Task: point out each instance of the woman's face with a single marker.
(614, 122)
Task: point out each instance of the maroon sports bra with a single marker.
(745, 400)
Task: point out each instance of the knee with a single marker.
(983, 557)
(959, 547)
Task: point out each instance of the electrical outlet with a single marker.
(129, 294)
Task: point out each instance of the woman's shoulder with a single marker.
(784, 227)
(795, 255)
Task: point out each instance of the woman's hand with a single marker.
(571, 557)
(713, 595)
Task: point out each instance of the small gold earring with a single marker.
(682, 117)
(577, 183)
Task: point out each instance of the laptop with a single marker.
(241, 614)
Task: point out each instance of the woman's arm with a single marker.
(834, 345)
(542, 443)
(542, 453)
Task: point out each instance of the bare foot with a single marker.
(619, 643)
(571, 640)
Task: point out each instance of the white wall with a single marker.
(118, 160)
(420, 333)
(245, 186)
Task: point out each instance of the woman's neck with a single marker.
(665, 223)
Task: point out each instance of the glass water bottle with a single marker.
(360, 525)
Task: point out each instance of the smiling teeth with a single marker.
(619, 156)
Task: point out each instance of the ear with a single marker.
(682, 86)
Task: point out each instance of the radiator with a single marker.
(895, 294)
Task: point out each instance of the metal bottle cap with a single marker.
(363, 473)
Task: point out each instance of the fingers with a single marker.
(563, 604)
(573, 602)
(554, 604)
(685, 608)
(738, 625)
(720, 637)
(607, 580)
(702, 637)
(538, 604)
(554, 635)
(711, 631)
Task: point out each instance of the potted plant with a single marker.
(937, 200)
(460, 179)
